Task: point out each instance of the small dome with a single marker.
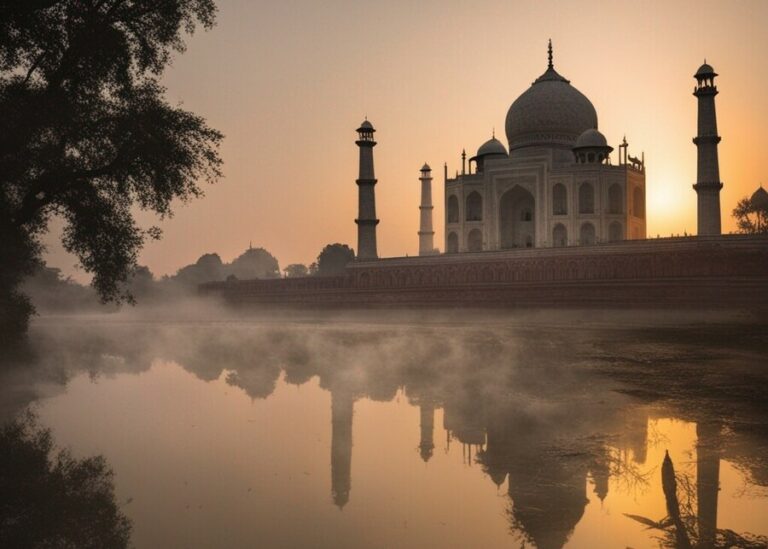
(366, 126)
(705, 70)
(591, 138)
(492, 146)
(426, 168)
(759, 198)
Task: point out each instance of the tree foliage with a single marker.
(295, 270)
(254, 263)
(51, 499)
(208, 268)
(87, 135)
(334, 258)
(52, 292)
(751, 218)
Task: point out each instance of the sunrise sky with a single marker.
(288, 82)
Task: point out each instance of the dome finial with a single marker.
(549, 55)
(493, 132)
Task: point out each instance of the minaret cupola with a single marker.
(366, 131)
(705, 76)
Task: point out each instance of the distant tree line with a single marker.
(50, 291)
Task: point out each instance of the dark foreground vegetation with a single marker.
(87, 136)
(52, 499)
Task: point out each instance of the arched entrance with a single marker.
(559, 236)
(586, 198)
(474, 207)
(638, 202)
(517, 219)
(475, 241)
(559, 200)
(453, 209)
(453, 243)
(615, 199)
(615, 232)
(587, 234)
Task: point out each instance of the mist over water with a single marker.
(408, 429)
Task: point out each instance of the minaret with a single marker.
(366, 217)
(426, 234)
(708, 182)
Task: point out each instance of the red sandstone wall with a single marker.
(728, 271)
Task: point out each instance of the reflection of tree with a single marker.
(682, 528)
(51, 499)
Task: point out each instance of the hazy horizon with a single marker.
(288, 83)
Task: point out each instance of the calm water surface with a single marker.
(415, 431)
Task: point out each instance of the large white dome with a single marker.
(549, 113)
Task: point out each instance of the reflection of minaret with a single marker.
(600, 470)
(342, 404)
(427, 443)
(708, 183)
(366, 217)
(707, 481)
(636, 434)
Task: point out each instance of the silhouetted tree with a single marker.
(86, 134)
(141, 283)
(296, 270)
(334, 258)
(208, 268)
(51, 499)
(255, 263)
(681, 528)
(751, 214)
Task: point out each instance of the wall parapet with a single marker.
(730, 268)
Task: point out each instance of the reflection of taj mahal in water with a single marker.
(547, 488)
(554, 186)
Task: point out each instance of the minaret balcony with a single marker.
(707, 140)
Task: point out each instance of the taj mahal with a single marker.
(553, 185)
(547, 220)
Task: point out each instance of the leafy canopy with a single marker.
(86, 133)
(52, 499)
(751, 216)
(296, 270)
(334, 258)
